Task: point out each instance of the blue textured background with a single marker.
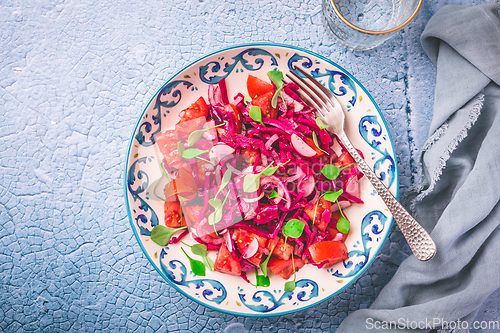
(74, 78)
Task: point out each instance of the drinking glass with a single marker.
(364, 24)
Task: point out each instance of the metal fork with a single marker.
(330, 112)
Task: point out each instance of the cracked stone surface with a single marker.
(74, 78)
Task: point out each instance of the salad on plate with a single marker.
(255, 178)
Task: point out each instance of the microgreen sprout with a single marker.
(197, 134)
(197, 266)
(202, 250)
(251, 182)
(321, 124)
(192, 153)
(316, 143)
(277, 78)
(161, 235)
(255, 113)
(275, 194)
(331, 171)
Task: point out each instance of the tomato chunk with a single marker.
(198, 109)
(344, 160)
(328, 252)
(280, 249)
(167, 144)
(173, 214)
(250, 155)
(264, 102)
(257, 87)
(243, 238)
(284, 268)
(322, 206)
(225, 263)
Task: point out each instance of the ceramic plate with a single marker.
(370, 222)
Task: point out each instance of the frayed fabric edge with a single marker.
(438, 171)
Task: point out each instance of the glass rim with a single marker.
(376, 32)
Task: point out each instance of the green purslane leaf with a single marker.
(269, 170)
(197, 134)
(251, 183)
(225, 180)
(255, 113)
(293, 228)
(321, 124)
(199, 249)
(331, 171)
(192, 152)
(277, 78)
(197, 266)
(263, 281)
(161, 235)
(263, 266)
(343, 225)
(333, 196)
(290, 286)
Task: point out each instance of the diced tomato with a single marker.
(280, 249)
(343, 160)
(243, 238)
(257, 87)
(173, 214)
(264, 102)
(250, 155)
(284, 268)
(198, 109)
(329, 252)
(184, 185)
(238, 119)
(225, 263)
(184, 128)
(310, 143)
(321, 207)
(167, 144)
(191, 212)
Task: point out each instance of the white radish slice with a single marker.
(229, 242)
(301, 147)
(307, 185)
(219, 151)
(251, 249)
(342, 204)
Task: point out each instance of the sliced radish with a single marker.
(307, 185)
(219, 151)
(326, 216)
(342, 204)
(352, 185)
(301, 147)
(251, 249)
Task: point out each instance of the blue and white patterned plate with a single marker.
(370, 222)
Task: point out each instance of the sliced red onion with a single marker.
(307, 185)
(251, 249)
(271, 141)
(251, 200)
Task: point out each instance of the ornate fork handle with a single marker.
(421, 244)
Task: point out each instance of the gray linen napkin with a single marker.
(457, 199)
